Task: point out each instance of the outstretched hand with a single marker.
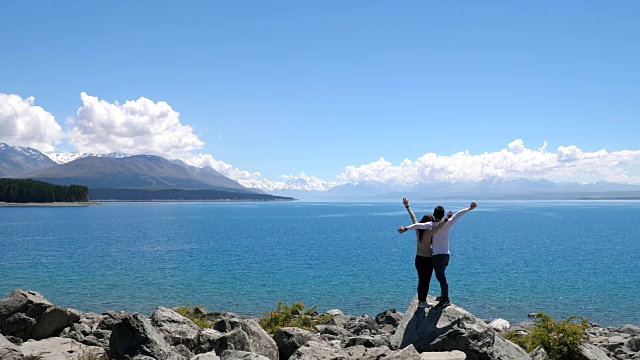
(401, 229)
(405, 201)
(473, 205)
(449, 214)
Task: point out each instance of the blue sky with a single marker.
(287, 87)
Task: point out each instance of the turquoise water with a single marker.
(508, 258)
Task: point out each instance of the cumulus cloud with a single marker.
(201, 160)
(22, 123)
(516, 161)
(135, 127)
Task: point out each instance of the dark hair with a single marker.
(424, 219)
(438, 212)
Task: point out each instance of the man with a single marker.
(440, 246)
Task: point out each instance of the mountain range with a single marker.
(154, 173)
(116, 175)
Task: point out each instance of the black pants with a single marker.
(424, 266)
(440, 263)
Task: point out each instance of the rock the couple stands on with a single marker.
(46, 331)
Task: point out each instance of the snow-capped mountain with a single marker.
(298, 182)
(65, 157)
(18, 160)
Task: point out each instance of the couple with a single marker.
(433, 250)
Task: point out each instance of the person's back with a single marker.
(440, 247)
(440, 244)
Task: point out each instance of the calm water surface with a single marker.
(508, 258)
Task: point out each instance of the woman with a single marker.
(424, 259)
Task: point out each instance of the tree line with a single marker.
(27, 190)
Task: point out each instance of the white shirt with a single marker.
(440, 243)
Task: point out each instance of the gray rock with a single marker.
(28, 315)
(333, 330)
(539, 353)
(338, 320)
(408, 353)
(109, 319)
(58, 348)
(367, 341)
(206, 356)
(98, 338)
(444, 355)
(260, 342)
(216, 316)
(363, 323)
(501, 325)
(241, 355)
(389, 317)
(334, 312)
(452, 328)
(290, 339)
(362, 353)
(226, 325)
(135, 335)
(630, 329)
(175, 328)
(591, 352)
(314, 350)
(8, 350)
(633, 344)
(213, 340)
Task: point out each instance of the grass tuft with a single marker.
(291, 316)
(189, 313)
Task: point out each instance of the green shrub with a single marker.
(291, 316)
(561, 339)
(197, 318)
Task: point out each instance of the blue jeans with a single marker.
(440, 263)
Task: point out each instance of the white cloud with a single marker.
(135, 127)
(516, 161)
(202, 160)
(22, 123)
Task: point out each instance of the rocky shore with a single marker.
(32, 328)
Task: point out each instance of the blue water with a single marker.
(508, 258)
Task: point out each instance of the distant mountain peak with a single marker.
(17, 160)
(65, 157)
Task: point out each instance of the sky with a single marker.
(403, 92)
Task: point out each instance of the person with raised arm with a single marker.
(440, 246)
(424, 259)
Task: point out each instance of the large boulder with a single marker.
(389, 317)
(176, 329)
(591, 352)
(135, 335)
(260, 342)
(290, 339)
(452, 328)
(28, 315)
(58, 348)
(8, 350)
(316, 350)
(213, 340)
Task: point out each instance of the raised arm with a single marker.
(416, 226)
(405, 201)
(457, 215)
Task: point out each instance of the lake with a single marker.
(508, 258)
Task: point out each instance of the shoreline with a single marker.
(54, 204)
